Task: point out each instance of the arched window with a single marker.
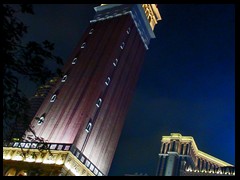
(173, 146)
(168, 147)
(186, 150)
(41, 119)
(163, 148)
(53, 98)
(22, 173)
(64, 78)
(115, 62)
(99, 102)
(11, 172)
(122, 45)
(83, 45)
(74, 60)
(89, 126)
(107, 81)
(182, 147)
(91, 31)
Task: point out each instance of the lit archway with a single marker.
(11, 172)
(22, 173)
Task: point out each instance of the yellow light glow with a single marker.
(59, 162)
(68, 165)
(46, 161)
(29, 159)
(189, 139)
(74, 172)
(38, 160)
(7, 157)
(17, 158)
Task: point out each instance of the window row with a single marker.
(90, 32)
(123, 43)
(83, 46)
(64, 78)
(107, 82)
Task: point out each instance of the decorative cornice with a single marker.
(198, 153)
(66, 155)
(137, 12)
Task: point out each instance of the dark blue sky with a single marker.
(187, 82)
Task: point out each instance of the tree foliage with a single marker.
(21, 59)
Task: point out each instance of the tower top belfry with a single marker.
(145, 17)
(152, 13)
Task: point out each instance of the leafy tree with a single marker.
(21, 60)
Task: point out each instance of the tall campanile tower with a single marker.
(81, 118)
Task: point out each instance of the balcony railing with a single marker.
(60, 147)
(84, 160)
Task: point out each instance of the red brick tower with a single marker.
(87, 107)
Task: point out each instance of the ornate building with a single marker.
(179, 156)
(76, 129)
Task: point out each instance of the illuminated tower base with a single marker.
(55, 160)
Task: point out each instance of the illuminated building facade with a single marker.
(39, 97)
(78, 125)
(179, 156)
(35, 103)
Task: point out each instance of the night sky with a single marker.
(187, 82)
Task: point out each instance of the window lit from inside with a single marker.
(74, 60)
(83, 45)
(41, 120)
(115, 62)
(91, 31)
(89, 127)
(53, 98)
(99, 102)
(64, 78)
(122, 45)
(107, 81)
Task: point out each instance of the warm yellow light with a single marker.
(17, 158)
(68, 165)
(46, 161)
(29, 159)
(7, 157)
(38, 160)
(190, 140)
(74, 171)
(59, 162)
